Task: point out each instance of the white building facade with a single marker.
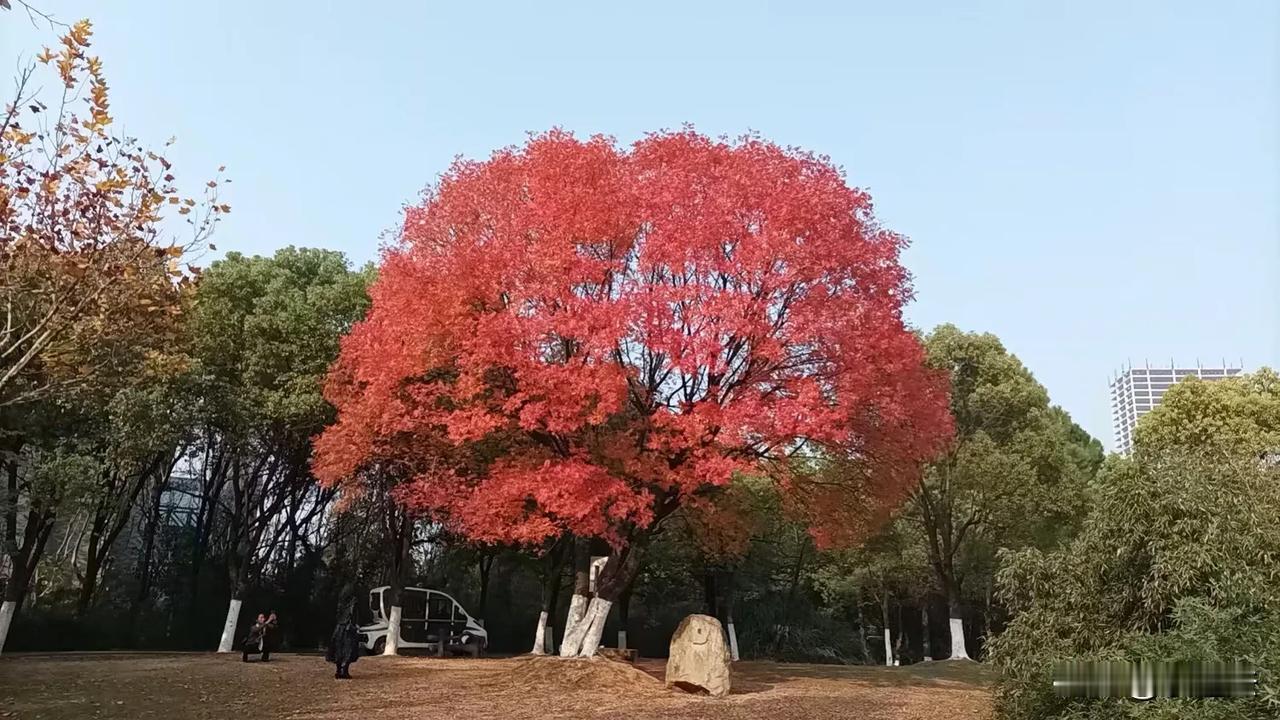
(1136, 391)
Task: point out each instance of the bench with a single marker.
(628, 655)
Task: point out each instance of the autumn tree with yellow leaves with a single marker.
(95, 251)
(86, 254)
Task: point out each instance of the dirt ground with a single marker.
(204, 686)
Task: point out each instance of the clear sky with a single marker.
(1094, 182)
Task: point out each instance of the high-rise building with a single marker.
(1136, 391)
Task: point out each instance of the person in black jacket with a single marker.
(270, 636)
(255, 642)
(344, 645)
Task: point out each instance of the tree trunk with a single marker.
(14, 590)
(543, 640)
(795, 582)
(862, 630)
(92, 567)
(709, 592)
(206, 518)
(728, 616)
(902, 633)
(16, 585)
(486, 565)
(227, 643)
(540, 635)
(238, 570)
(24, 558)
(399, 565)
(888, 636)
(392, 644)
(552, 606)
(984, 631)
(924, 629)
(574, 629)
(144, 562)
(958, 649)
(624, 617)
(7, 610)
(394, 613)
(618, 573)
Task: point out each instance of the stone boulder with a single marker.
(699, 660)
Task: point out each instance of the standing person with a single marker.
(270, 636)
(344, 645)
(255, 641)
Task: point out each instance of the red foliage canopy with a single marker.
(577, 337)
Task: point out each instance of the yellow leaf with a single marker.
(18, 137)
(80, 32)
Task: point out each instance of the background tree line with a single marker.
(157, 436)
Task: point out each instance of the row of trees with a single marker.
(676, 384)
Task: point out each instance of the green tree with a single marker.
(264, 332)
(1015, 474)
(1239, 415)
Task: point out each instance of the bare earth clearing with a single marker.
(182, 686)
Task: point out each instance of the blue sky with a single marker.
(1094, 182)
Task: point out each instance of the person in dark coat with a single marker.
(344, 646)
(255, 641)
(270, 636)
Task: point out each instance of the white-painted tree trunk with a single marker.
(733, 643)
(574, 627)
(7, 611)
(597, 615)
(393, 631)
(540, 635)
(551, 639)
(228, 641)
(888, 647)
(622, 639)
(958, 651)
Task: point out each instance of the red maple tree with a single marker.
(575, 337)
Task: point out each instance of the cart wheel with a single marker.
(379, 646)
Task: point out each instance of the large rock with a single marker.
(699, 660)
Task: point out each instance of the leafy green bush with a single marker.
(1178, 560)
